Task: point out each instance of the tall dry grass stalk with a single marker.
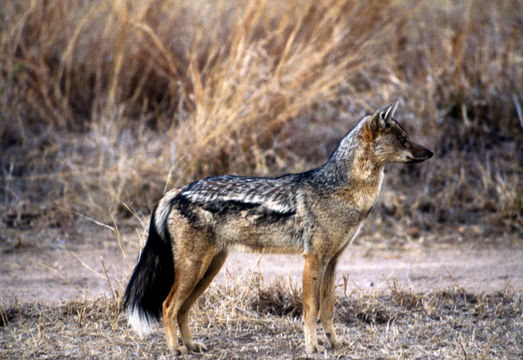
(105, 104)
(279, 61)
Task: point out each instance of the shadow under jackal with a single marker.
(316, 213)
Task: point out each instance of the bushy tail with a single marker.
(151, 281)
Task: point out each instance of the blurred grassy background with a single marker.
(106, 104)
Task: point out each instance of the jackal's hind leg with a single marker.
(327, 299)
(183, 313)
(186, 277)
(169, 324)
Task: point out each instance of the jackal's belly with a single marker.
(285, 237)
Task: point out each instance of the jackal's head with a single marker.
(389, 141)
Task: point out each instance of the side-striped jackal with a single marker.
(316, 213)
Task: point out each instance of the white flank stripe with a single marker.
(263, 201)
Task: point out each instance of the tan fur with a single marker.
(368, 133)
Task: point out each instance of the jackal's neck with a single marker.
(353, 162)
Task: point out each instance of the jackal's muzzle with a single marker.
(419, 154)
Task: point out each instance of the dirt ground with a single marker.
(59, 300)
(61, 272)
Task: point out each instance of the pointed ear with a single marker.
(391, 109)
(382, 116)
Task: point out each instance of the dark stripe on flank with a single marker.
(267, 217)
(186, 209)
(227, 207)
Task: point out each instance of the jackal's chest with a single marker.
(354, 208)
(357, 199)
(353, 217)
(343, 222)
(349, 208)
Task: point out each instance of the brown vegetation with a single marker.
(240, 323)
(105, 104)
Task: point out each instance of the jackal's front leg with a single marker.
(312, 275)
(327, 304)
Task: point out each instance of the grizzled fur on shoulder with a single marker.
(316, 213)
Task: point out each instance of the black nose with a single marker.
(429, 154)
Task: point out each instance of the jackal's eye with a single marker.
(403, 140)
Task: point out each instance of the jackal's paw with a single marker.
(338, 343)
(181, 349)
(196, 347)
(314, 348)
(176, 348)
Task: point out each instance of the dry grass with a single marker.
(105, 104)
(236, 324)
